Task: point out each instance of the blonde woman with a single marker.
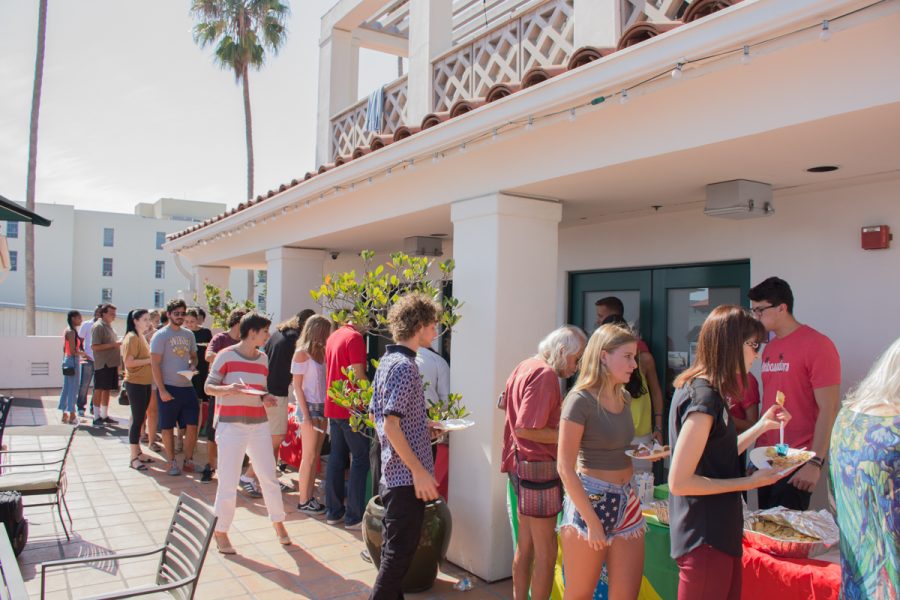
(865, 467)
(602, 521)
(308, 370)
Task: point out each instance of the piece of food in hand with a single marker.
(642, 450)
(779, 398)
(780, 462)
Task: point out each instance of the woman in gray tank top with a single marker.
(602, 520)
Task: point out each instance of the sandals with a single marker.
(156, 447)
(144, 458)
(138, 465)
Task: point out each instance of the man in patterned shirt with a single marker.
(407, 468)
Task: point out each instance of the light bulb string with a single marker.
(532, 120)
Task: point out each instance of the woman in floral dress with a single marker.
(865, 474)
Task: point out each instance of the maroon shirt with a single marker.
(533, 401)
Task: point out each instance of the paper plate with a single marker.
(187, 374)
(254, 392)
(655, 455)
(455, 424)
(760, 459)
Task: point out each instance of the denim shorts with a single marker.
(183, 409)
(617, 507)
(316, 411)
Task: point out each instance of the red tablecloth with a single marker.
(767, 576)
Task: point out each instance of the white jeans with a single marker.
(234, 440)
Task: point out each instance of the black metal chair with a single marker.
(49, 480)
(5, 406)
(180, 561)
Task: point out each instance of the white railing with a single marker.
(543, 36)
(348, 128)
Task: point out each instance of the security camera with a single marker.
(334, 254)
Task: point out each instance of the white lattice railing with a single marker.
(543, 36)
(348, 128)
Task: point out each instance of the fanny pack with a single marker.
(540, 491)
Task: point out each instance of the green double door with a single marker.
(667, 306)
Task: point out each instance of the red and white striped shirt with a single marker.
(230, 367)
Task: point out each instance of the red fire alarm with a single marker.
(876, 237)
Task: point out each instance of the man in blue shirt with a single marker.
(401, 421)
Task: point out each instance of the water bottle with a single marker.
(463, 585)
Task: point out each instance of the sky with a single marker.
(133, 110)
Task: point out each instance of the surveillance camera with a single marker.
(334, 254)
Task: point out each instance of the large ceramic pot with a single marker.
(432, 548)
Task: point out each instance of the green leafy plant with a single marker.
(365, 299)
(220, 304)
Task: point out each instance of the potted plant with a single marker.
(366, 299)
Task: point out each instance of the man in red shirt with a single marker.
(804, 365)
(345, 349)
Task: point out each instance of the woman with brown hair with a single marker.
(308, 370)
(602, 521)
(705, 510)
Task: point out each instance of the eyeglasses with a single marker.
(759, 310)
(755, 345)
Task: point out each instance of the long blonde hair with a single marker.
(881, 387)
(593, 375)
(313, 337)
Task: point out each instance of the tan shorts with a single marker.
(278, 416)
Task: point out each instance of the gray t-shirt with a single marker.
(176, 347)
(606, 435)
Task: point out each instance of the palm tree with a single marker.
(242, 31)
(32, 167)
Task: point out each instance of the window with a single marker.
(12, 229)
(159, 298)
(261, 303)
(160, 269)
(160, 239)
(108, 237)
(13, 260)
(261, 277)
(107, 267)
(106, 295)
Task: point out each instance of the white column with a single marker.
(597, 23)
(338, 81)
(217, 276)
(430, 34)
(291, 274)
(505, 250)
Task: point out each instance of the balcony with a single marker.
(489, 43)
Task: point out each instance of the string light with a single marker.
(825, 34)
(676, 72)
(624, 97)
(530, 125)
(411, 164)
(462, 148)
(572, 114)
(371, 180)
(389, 172)
(745, 57)
(494, 135)
(436, 158)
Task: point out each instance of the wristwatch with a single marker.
(817, 461)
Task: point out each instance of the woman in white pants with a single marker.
(237, 378)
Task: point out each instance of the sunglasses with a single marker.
(177, 314)
(755, 345)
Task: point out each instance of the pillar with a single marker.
(291, 274)
(338, 82)
(430, 34)
(505, 250)
(597, 23)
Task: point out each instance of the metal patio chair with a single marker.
(180, 561)
(50, 480)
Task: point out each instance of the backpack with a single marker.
(11, 515)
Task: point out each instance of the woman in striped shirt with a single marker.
(237, 378)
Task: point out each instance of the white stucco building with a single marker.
(88, 257)
(594, 182)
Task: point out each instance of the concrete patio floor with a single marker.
(116, 508)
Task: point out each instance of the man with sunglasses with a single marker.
(804, 365)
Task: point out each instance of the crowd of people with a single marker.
(565, 456)
(577, 445)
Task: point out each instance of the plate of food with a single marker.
(187, 373)
(254, 391)
(454, 424)
(645, 452)
(768, 457)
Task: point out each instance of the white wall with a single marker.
(812, 241)
(20, 355)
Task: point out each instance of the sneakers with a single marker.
(249, 489)
(98, 422)
(334, 520)
(285, 488)
(206, 475)
(189, 466)
(174, 470)
(109, 420)
(313, 507)
(353, 526)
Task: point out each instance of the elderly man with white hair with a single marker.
(533, 402)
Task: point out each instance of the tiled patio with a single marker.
(116, 509)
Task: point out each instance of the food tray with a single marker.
(661, 508)
(785, 548)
